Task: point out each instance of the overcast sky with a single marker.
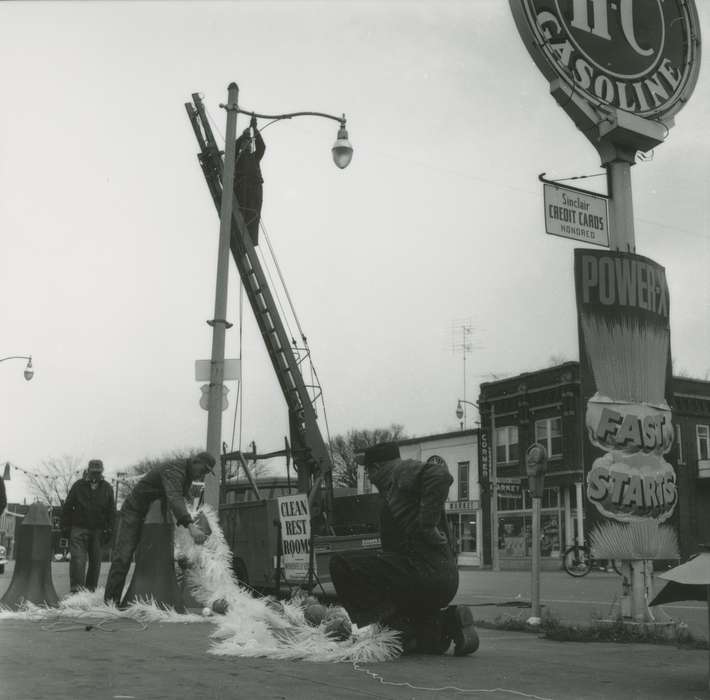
(110, 236)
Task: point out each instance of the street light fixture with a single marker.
(29, 370)
(460, 409)
(342, 149)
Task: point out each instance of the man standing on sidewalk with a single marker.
(407, 585)
(171, 484)
(87, 516)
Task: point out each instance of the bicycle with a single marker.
(577, 561)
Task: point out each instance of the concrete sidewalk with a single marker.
(126, 660)
(121, 660)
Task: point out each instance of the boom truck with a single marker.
(251, 527)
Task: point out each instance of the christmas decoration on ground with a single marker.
(245, 625)
(299, 628)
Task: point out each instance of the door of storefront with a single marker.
(462, 518)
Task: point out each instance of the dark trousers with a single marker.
(84, 544)
(250, 199)
(127, 537)
(393, 588)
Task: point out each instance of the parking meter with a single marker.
(536, 466)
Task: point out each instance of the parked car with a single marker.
(3, 559)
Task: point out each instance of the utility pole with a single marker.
(219, 322)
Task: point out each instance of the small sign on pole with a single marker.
(295, 520)
(576, 214)
(203, 370)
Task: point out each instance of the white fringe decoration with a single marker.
(264, 626)
(251, 627)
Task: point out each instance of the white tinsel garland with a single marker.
(263, 626)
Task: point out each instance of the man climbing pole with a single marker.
(248, 181)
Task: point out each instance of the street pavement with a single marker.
(125, 660)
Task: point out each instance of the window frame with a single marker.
(507, 444)
(467, 466)
(547, 440)
(702, 439)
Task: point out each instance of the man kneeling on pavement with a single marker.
(407, 585)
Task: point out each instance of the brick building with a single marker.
(547, 406)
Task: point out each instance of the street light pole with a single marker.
(29, 370)
(219, 322)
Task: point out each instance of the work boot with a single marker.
(458, 624)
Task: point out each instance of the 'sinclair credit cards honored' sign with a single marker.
(574, 214)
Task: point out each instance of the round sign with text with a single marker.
(640, 56)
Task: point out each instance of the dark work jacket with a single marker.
(93, 509)
(169, 482)
(414, 495)
(247, 171)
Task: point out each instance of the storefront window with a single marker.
(515, 524)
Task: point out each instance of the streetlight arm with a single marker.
(291, 115)
(470, 403)
(16, 357)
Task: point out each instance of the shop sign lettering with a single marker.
(575, 215)
(625, 282)
(640, 486)
(484, 456)
(640, 56)
(295, 521)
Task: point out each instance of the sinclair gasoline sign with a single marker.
(639, 56)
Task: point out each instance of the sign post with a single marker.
(621, 71)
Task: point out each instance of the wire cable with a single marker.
(283, 282)
(404, 684)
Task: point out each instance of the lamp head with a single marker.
(459, 410)
(342, 150)
(29, 371)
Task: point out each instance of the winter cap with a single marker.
(207, 459)
(383, 452)
(95, 465)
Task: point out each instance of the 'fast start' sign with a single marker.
(578, 215)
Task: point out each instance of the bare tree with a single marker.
(344, 449)
(51, 483)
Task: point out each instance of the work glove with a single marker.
(106, 536)
(197, 534)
